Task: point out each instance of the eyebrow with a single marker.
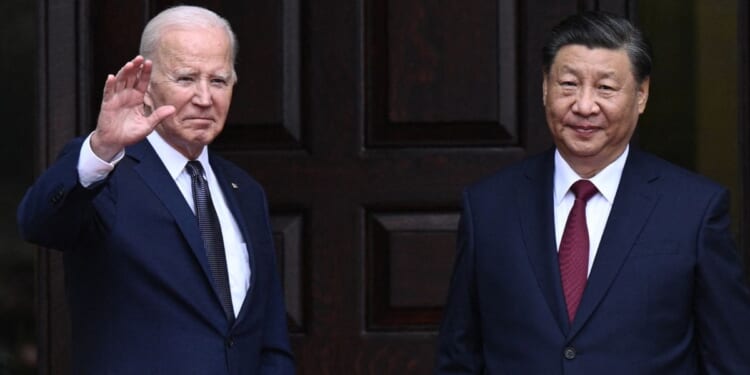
(184, 71)
(192, 72)
(602, 74)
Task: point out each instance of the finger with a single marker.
(109, 85)
(160, 114)
(126, 76)
(138, 60)
(131, 75)
(144, 76)
(122, 76)
(138, 65)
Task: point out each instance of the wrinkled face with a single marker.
(192, 72)
(592, 102)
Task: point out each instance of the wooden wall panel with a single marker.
(441, 61)
(441, 74)
(288, 233)
(409, 262)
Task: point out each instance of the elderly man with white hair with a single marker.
(169, 259)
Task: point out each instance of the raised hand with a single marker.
(123, 120)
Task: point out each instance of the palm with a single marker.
(122, 117)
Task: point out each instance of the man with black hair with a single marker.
(595, 257)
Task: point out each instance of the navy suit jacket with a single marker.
(666, 293)
(137, 279)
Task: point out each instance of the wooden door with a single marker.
(363, 120)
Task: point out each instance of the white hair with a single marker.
(184, 16)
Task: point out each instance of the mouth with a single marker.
(200, 119)
(583, 129)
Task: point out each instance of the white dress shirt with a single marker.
(598, 207)
(92, 169)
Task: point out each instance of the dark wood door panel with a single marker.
(440, 73)
(408, 256)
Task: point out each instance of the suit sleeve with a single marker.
(276, 354)
(722, 299)
(55, 209)
(460, 341)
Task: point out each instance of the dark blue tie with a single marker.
(208, 222)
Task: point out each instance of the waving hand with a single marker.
(123, 120)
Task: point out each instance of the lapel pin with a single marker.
(235, 186)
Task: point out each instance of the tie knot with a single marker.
(194, 168)
(583, 189)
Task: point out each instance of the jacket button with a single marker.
(230, 342)
(569, 352)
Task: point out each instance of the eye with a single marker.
(184, 79)
(221, 82)
(606, 88)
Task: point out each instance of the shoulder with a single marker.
(234, 173)
(536, 169)
(228, 167)
(669, 175)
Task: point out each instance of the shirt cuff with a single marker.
(92, 169)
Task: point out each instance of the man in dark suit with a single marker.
(169, 258)
(642, 277)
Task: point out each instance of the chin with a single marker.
(582, 152)
(204, 132)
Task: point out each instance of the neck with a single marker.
(588, 167)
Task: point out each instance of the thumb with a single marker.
(160, 114)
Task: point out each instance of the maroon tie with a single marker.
(574, 247)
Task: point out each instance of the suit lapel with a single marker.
(155, 176)
(534, 194)
(232, 192)
(153, 173)
(634, 202)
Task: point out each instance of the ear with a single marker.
(643, 94)
(544, 89)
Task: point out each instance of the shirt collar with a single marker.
(606, 181)
(173, 159)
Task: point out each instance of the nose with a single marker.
(202, 95)
(586, 104)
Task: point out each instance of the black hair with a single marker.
(600, 30)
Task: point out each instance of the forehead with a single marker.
(204, 47)
(576, 58)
